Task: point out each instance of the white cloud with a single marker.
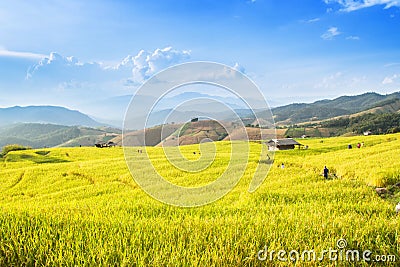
(57, 67)
(145, 64)
(239, 67)
(352, 5)
(29, 55)
(390, 79)
(162, 58)
(330, 33)
(72, 77)
(69, 72)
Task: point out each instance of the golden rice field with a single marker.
(81, 207)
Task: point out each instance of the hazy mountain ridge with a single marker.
(45, 114)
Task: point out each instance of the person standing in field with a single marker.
(326, 171)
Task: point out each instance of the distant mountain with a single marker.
(45, 114)
(49, 135)
(112, 110)
(172, 116)
(197, 101)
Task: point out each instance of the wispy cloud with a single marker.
(29, 55)
(353, 38)
(353, 5)
(393, 64)
(313, 20)
(341, 80)
(329, 81)
(330, 33)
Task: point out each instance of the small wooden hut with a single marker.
(282, 144)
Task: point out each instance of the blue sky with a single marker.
(68, 52)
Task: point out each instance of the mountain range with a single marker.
(39, 126)
(325, 109)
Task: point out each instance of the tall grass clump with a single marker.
(13, 147)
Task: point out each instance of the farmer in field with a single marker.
(326, 171)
